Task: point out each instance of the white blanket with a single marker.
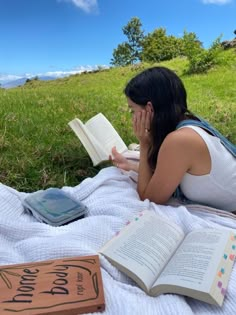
(112, 200)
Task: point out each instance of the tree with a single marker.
(121, 55)
(129, 52)
(191, 44)
(235, 32)
(157, 46)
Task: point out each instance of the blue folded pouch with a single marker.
(53, 206)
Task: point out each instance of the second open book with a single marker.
(98, 136)
(160, 258)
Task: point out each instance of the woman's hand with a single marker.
(141, 126)
(121, 162)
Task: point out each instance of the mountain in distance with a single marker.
(53, 76)
(22, 81)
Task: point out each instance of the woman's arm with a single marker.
(141, 126)
(175, 158)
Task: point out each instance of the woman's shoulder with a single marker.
(184, 136)
(185, 140)
(186, 145)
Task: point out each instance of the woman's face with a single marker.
(133, 107)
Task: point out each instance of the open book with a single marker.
(160, 258)
(98, 136)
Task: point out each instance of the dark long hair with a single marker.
(165, 90)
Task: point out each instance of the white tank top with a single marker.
(218, 188)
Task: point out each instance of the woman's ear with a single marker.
(149, 107)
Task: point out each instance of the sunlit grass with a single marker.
(39, 150)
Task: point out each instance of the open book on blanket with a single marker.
(161, 258)
(98, 136)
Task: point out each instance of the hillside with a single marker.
(38, 149)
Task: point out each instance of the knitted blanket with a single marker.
(112, 200)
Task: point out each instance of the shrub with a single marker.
(200, 59)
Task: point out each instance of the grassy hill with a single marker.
(39, 150)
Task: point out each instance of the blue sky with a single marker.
(56, 37)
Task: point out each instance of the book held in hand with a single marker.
(67, 286)
(160, 258)
(98, 137)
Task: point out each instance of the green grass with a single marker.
(39, 150)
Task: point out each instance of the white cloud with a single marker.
(8, 77)
(88, 6)
(4, 78)
(61, 74)
(220, 2)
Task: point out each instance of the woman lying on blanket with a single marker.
(177, 148)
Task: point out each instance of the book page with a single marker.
(91, 145)
(144, 246)
(105, 134)
(195, 263)
(224, 270)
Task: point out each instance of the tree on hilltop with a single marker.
(129, 52)
(158, 46)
